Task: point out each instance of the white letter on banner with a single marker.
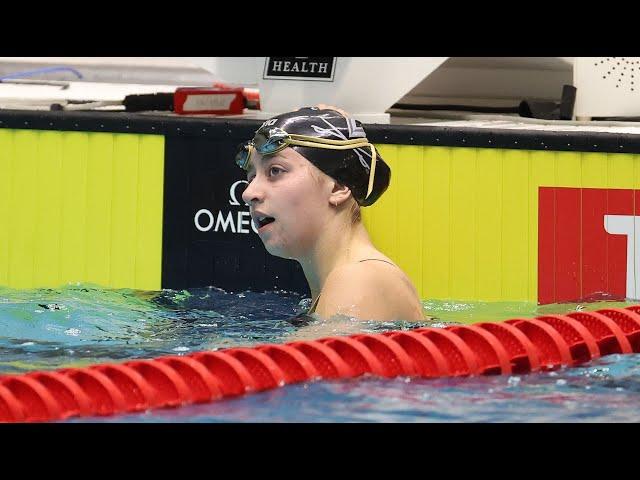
(226, 222)
(197, 221)
(627, 225)
(242, 221)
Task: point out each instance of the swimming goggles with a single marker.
(268, 141)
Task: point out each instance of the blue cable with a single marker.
(29, 73)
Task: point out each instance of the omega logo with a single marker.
(205, 220)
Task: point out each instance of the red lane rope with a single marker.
(518, 346)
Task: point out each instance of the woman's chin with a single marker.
(274, 249)
(278, 250)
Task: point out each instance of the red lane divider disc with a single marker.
(294, 365)
(234, 378)
(137, 392)
(523, 354)
(10, 407)
(610, 337)
(633, 308)
(37, 400)
(355, 354)
(629, 323)
(169, 388)
(428, 359)
(493, 357)
(72, 399)
(554, 351)
(392, 357)
(265, 372)
(460, 358)
(582, 344)
(627, 320)
(203, 386)
(325, 360)
(106, 398)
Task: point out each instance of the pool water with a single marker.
(81, 325)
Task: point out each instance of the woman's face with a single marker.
(289, 202)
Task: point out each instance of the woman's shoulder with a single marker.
(375, 288)
(374, 272)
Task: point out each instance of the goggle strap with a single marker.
(305, 141)
(250, 149)
(330, 146)
(372, 170)
(328, 141)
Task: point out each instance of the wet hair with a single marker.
(349, 167)
(356, 216)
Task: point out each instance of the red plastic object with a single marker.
(552, 348)
(610, 337)
(518, 345)
(461, 359)
(11, 409)
(234, 378)
(523, 354)
(393, 359)
(295, 366)
(138, 394)
(492, 356)
(265, 372)
(582, 344)
(359, 357)
(105, 397)
(68, 394)
(327, 363)
(629, 321)
(427, 357)
(37, 402)
(208, 100)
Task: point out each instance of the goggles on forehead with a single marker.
(268, 141)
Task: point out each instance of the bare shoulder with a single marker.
(370, 290)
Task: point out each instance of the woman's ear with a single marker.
(339, 194)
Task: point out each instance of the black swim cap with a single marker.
(349, 167)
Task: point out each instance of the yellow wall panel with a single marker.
(437, 246)
(123, 213)
(99, 200)
(48, 217)
(489, 224)
(80, 207)
(569, 169)
(620, 170)
(6, 156)
(515, 224)
(74, 207)
(636, 171)
(462, 263)
(148, 272)
(22, 208)
(594, 170)
(408, 189)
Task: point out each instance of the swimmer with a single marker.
(309, 172)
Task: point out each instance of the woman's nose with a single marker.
(252, 193)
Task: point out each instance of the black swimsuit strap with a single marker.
(378, 259)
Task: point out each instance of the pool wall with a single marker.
(151, 201)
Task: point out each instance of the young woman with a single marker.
(309, 172)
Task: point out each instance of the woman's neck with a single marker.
(334, 248)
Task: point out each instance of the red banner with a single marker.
(586, 244)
